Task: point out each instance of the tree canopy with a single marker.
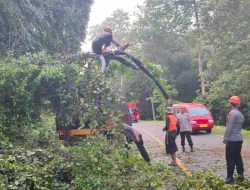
(32, 25)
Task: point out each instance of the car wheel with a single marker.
(209, 130)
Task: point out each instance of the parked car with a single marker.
(199, 115)
(134, 112)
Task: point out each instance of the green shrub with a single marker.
(94, 163)
(208, 181)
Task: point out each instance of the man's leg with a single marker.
(174, 162)
(183, 140)
(142, 150)
(230, 162)
(166, 143)
(239, 162)
(103, 63)
(189, 139)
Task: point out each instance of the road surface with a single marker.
(209, 151)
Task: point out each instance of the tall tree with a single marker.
(187, 18)
(34, 25)
(159, 34)
(226, 24)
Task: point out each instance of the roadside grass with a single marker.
(221, 130)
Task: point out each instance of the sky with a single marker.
(102, 9)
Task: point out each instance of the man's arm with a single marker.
(167, 124)
(116, 43)
(230, 121)
(178, 128)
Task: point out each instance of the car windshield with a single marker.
(198, 111)
(132, 110)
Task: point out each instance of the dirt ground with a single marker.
(209, 151)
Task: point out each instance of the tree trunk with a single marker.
(199, 49)
(121, 83)
(200, 66)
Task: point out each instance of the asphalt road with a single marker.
(209, 151)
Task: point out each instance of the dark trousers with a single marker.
(186, 134)
(170, 143)
(142, 150)
(233, 157)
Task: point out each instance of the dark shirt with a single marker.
(103, 38)
(235, 120)
(132, 134)
(127, 120)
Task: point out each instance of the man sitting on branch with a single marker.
(100, 46)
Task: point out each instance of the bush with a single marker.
(208, 181)
(94, 163)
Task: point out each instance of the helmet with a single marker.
(235, 100)
(108, 29)
(169, 110)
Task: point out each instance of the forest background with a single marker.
(199, 50)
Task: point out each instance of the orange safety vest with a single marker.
(172, 122)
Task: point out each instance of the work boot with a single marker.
(191, 149)
(172, 164)
(229, 180)
(183, 149)
(241, 177)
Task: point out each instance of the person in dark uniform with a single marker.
(172, 130)
(233, 139)
(132, 135)
(103, 41)
(100, 44)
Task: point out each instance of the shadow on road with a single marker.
(200, 133)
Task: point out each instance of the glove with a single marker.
(125, 46)
(225, 141)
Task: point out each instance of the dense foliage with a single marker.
(228, 70)
(207, 180)
(34, 25)
(182, 35)
(94, 164)
(42, 88)
(33, 84)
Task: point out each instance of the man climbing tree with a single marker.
(100, 44)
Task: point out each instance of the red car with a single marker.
(199, 115)
(134, 112)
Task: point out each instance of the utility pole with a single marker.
(152, 105)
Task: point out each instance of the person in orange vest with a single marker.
(233, 139)
(172, 129)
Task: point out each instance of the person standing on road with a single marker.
(132, 135)
(233, 139)
(172, 129)
(185, 129)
